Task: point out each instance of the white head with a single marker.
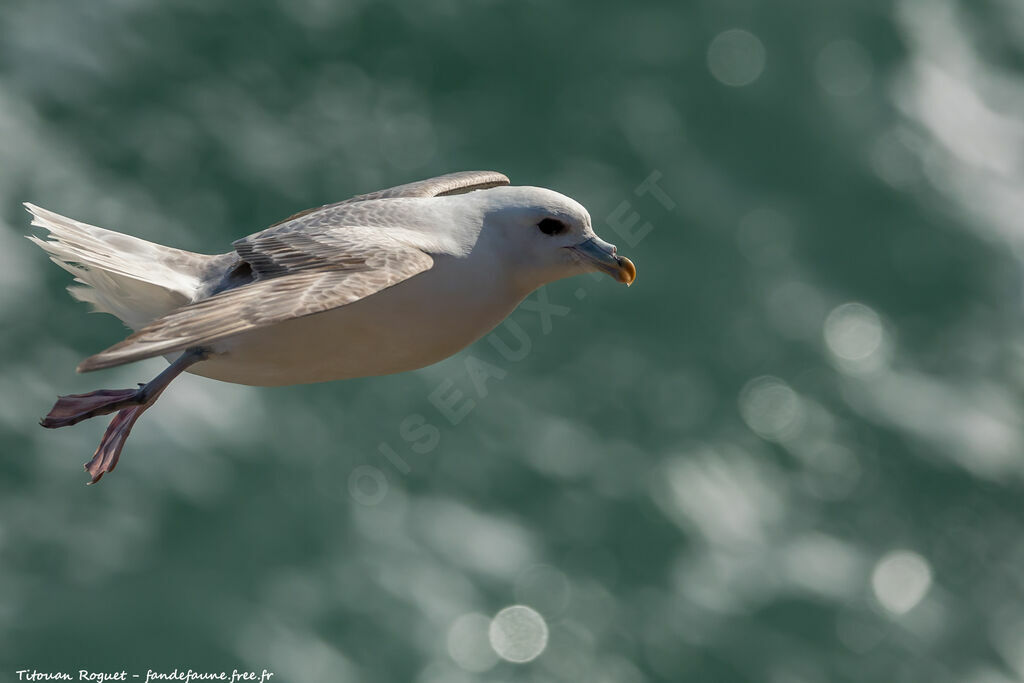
(543, 235)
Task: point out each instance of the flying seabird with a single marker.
(377, 284)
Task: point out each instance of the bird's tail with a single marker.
(133, 279)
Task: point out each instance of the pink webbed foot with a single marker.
(109, 451)
(129, 404)
(69, 410)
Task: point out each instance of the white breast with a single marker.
(415, 323)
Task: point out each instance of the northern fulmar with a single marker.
(384, 282)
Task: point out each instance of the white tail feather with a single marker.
(133, 279)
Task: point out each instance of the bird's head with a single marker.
(547, 236)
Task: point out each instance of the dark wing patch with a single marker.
(272, 254)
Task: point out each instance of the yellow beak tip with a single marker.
(627, 271)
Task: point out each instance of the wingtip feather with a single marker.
(89, 364)
(109, 358)
(103, 361)
(129, 351)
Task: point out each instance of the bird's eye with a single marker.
(551, 226)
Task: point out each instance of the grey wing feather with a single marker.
(439, 186)
(297, 286)
(298, 268)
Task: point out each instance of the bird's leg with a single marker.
(69, 410)
(129, 404)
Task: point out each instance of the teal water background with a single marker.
(792, 452)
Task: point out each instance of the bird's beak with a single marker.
(602, 256)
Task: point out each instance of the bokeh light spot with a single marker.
(736, 57)
(771, 408)
(900, 580)
(518, 634)
(855, 336)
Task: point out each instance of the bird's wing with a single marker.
(440, 186)
(298, 274)
(315, 245)
(335, 255)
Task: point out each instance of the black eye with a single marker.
(551, 226)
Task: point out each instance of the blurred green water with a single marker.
(792, 452)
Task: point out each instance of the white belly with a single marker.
(415, 323)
